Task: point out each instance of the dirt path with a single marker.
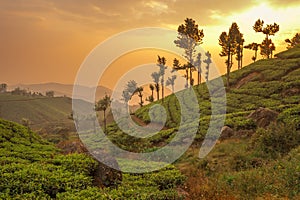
(140, 122)
(246, 79)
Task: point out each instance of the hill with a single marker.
(256, 160)
(32, 168)
(48, 116)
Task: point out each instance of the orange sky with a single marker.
(47, 40)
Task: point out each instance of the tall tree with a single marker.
(239, 49)
(266, 48)
(171, 81)
(126, 96)
(189, 37)
(177, 66)
(102, 105)
(139, 91)
(253, 46)
(156, 77)
(268, 30)
(228, 43)
(208, 61)
(161, 62)
(152, 90)
(131, 87)
(198, 66)
(294, 41)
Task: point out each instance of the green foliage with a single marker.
(277, 140)
(34, 169)
(278, 180)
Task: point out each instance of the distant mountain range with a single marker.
(60, 89)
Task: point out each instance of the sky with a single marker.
(47, 40)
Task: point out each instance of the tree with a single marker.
(151, 97)
(126, 96)
(131, 87)
(171, 81)
(161, 62)
(139, 91)
(156, 76)
(208, 62)
(151, 86)
(269, 30)
(50, 93)
(177, 66)
(294, 41)
(189, 37)
(239, 49)
(102, 105)
(266, 48)
(253, 46)
(198, 65)
(228, 42)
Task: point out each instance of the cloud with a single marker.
(157, 7)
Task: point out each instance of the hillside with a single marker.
(50, 117)
(256, 160)
(32, 168)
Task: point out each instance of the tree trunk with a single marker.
(104, 121)
(191, 76)
(242, 57)
(255, 55)
(268, 48)
(228, 66)
(187, 75)
(162, 89)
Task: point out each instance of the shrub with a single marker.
(277, 140)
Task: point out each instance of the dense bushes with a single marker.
(277, 140)
(36, 170)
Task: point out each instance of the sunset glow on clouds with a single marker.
(46, 41)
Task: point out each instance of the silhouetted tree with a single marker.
(102, 105)
(269, 30)
(161, 62)
(126, 96)
(294, 41)
(253, 46)
(189, 37)
(239, 49)
(171, 81)
(198, 66)
(131, 87)
(228, 42)
(208, 61)
(266, 48)
(139, 91)
(152, 90)
(177, 67)
(156, 76)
